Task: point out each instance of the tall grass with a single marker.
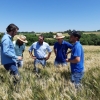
(53, 83)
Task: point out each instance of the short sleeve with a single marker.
(31, 48)
(48, 48)
(77, 52)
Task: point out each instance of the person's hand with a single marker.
(19, 58)
(33, 57)
(67, 60)
(46, 58)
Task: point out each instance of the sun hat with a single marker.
(22, 38)
(59, 36)
(75, 33)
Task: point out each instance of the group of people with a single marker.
(12, 53)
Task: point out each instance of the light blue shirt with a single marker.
(19, 50)
(7, 50)
(40, 51)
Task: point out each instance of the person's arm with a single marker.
(55, 49)
(76, 60)
(49, 52)
(76, 54)
(68, 52)
(55, 52)
(70, 46)
(48, 56)
(7, 51)
(23, 49)
(30, 52)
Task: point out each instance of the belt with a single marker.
(40, 58)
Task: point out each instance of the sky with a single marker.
(50, 15)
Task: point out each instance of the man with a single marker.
(60, 50)
(40, 48)
(8, 56)
(77, 59)
(19, 46)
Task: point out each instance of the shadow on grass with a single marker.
(66, 75)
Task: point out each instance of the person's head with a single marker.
(41, 39)
(21, 39)
(12, 29)
(74, 36)
(59, 37)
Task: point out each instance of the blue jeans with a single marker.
(12, 68)
(77, 77)
(37, 61)
(56, 63)
(19, 63)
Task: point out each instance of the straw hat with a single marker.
(22, 38)
(59, 36)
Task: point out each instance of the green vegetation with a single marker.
(88, 38)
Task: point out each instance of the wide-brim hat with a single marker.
(22, 38)
(59, 36)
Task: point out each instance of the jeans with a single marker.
(37, 61)
(19, 63)
(56, 63)
(77, 77)
(12, 68)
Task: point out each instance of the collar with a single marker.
(39, 43)
(9, 36)
(76, 42)
(61, 43)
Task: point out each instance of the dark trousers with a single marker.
(12, 68)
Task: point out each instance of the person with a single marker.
(8, 56)
(40, 52)
(77, 59)
(60, 49)
(19, 46)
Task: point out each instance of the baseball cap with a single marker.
(75, 33)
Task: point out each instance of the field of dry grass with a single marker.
(97, 33)
(92, 56)
(54, 84)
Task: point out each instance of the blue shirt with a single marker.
(61, 51)
(7, 50)
(40, 51)
(77, 51)
(19, 49)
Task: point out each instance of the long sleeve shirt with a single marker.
(7, 50)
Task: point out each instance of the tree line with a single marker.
(86, 39)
